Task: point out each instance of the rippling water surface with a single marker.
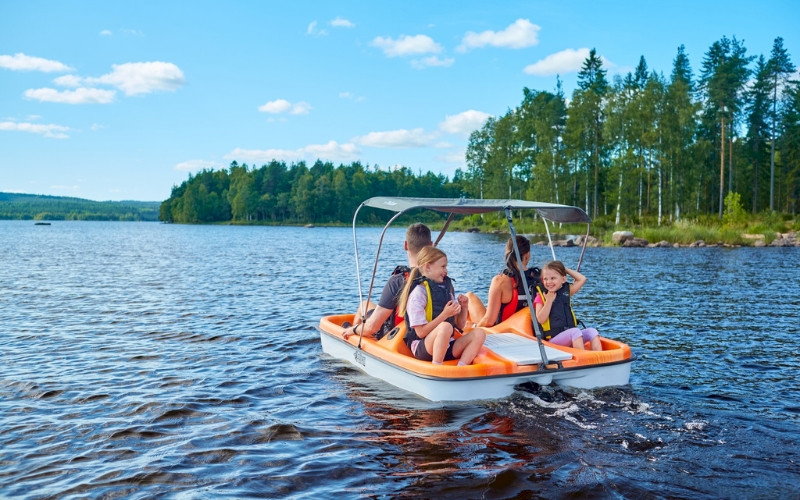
(144, 360)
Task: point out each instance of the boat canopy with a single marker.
(550, 211)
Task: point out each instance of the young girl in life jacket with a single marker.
(553, 309)
(432, 313)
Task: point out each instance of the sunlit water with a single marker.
(143, 360)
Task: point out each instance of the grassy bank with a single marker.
(744, 230)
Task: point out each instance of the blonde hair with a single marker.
(427, 255)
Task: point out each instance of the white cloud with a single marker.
(276, 106)
(522, 33)
(142, 77)
(332, 151)
(300, 108)
(340, 22)
(283, 106)
(566, 61)
(195, 165)
(263, 155)
(415, 138)
(407, 45)
(456, 157)
(105, 33)
(21, 62)
(80, 95)
(68, 81)
(52, 131)
(432, 61)
(350, 96)
(312, 30)
(464, 123)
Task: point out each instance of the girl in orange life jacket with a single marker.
(507, 290)
(432, 313)
(553, 310)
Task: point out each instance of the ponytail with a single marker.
(402, 302)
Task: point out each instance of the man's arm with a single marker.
(372, 325)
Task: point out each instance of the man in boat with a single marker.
(383, 317)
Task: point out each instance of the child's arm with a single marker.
(449, 310)
(461, 317)
(543, 308)
(578, 281)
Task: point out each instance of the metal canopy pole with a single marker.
(363, 305)
(528, 297)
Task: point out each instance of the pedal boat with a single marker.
(514, 352)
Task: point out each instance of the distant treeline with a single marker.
(644, 147)
(296, 193)
(39, 207)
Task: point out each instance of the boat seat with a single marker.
(395, 340)
(519, 322)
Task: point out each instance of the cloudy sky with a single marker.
(123, 100)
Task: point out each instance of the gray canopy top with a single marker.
(550, 211)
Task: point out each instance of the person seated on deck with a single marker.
(507, 290)
(554, 312)
(383, 317)
(433, 313)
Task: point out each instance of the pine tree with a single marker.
(587, 117)
(779, 67)
(722, 80)
(758, 131)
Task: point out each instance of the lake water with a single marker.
(145, 360)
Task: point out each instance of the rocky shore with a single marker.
(628, 240)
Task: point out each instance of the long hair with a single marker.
(511, 258)
(425, 256)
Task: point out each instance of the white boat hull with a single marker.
(473, 388)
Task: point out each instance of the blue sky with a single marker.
(113, 100)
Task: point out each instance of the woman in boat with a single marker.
(507, 290)
(554, 312)
(433, 313)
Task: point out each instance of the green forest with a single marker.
(15, 206)
(640, 147)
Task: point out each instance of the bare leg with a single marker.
(469, 345)
(596, 344)
(366, 306)
(475, 307)
(438, 345)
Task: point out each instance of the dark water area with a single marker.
(142, 360)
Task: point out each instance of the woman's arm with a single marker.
(499, 282)
(578, 281)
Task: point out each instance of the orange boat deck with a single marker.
(392, 349)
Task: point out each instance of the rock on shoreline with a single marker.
(627, 239)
